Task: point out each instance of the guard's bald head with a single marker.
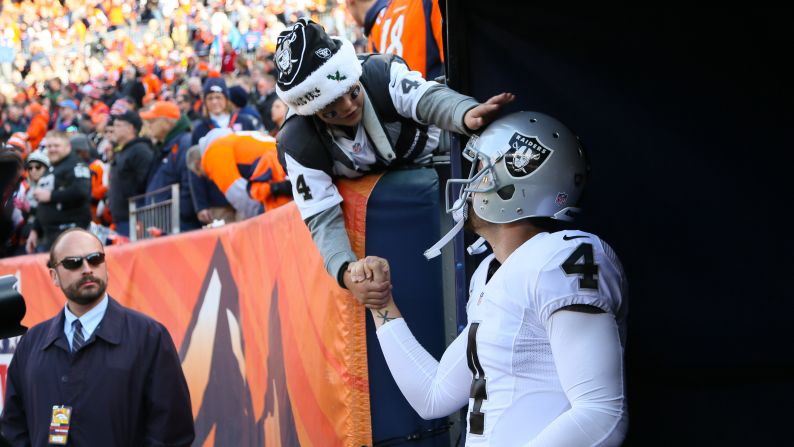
(69, 236)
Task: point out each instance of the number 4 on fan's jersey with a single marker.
(302, 188)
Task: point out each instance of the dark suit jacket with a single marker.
(125, 386)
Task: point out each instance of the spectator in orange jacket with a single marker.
(39, 119)
(245, 166)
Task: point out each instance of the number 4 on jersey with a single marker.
(303, 188)
(588, 269)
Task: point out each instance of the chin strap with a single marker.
(459, 215)
(435, 250)
(478, 247)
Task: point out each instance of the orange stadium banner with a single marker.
(274, 352)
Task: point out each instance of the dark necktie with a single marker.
(77, 338)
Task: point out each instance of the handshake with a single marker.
(369, 280)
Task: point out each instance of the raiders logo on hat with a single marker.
(284, 58)
(314, 69)
(525, 155)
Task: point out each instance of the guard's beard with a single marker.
(87, 296)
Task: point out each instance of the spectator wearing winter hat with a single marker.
(36, 166)
(239, 98)
(64, 194)
(354, 116)
(67, 115)
(218, 113)
(129, 168)
(171, 130)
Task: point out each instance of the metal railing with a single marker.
(154, 213)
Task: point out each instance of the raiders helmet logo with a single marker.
(324, 53)
(525, 155)
(284, 59)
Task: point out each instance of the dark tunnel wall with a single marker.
(687, 118)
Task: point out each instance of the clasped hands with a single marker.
(369, 280)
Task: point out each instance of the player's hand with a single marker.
(369, 268)
(369, 280)
(484, 113)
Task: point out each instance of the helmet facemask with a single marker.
(524, 165)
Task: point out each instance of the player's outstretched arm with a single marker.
(434, 389)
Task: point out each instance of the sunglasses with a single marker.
(75, 262)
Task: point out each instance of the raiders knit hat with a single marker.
(313, 68)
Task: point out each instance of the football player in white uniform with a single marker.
(540, 362)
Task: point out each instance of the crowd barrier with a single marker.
(154, 213)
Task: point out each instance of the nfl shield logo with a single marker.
(562, 199)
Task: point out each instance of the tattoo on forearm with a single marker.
(385, 316)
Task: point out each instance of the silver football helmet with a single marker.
(526, 164)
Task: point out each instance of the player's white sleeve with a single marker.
(313, 190)
(406, 88)
(589, 361)
(434, 389)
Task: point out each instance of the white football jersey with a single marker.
(507, 338)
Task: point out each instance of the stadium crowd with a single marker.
(104, 100)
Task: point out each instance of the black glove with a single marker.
(281, 189)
